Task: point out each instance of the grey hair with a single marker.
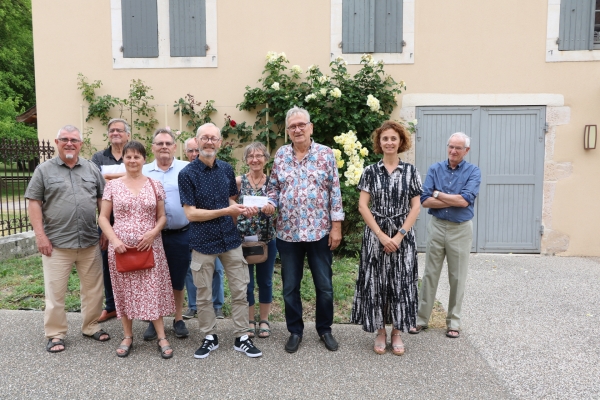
(462, 136)
(70, 129)
(256, 146)
(296, 110)
(112, 121)
(160, 131)
(202, 127)
(185, 144)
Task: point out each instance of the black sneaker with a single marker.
(180, 329)
(219, 313)
(210, 343)
(150, 333)
(190, 313)
(245, 345)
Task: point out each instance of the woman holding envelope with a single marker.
(253, 191)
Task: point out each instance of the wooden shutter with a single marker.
(187, 22)
(512, 169)
(140, 28)
(388, 26)
(358, 26)
(576, 29)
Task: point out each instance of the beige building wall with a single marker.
(493, 51)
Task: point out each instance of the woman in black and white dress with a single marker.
(386, 288)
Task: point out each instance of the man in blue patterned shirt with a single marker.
(208, 191)
(449, 192)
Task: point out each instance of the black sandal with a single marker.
(126, 349)
(98, 335)
(264, 330)
(51, 344)
(164, 349)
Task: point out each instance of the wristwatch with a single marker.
(402, 231)
(436, 194)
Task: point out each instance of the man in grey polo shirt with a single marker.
(63, 195)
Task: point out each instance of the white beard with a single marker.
(69, 156)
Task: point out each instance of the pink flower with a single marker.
(232, 123)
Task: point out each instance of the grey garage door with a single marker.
(507, 143)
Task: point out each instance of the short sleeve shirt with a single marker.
(210, 188)
(69, 201)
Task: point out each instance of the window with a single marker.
(371, 26)
(579, 24)
(573, 30)
(383, 28)
(164, 33)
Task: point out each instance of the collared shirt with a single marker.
(105, 157)
(175, 215)
(210, 188)
(69, 201)
(463, 180)
(307, 193)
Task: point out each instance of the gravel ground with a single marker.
(531, 329)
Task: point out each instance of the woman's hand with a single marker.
(268, 209)
(119, 246)
(389, 244)
(250, 211)
(146, 241)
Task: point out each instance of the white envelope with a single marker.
(255, 201)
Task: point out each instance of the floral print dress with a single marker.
(261, 225)
(145, 294)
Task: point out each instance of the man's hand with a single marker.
(235, 210)
(103, 242)
(335, 236)
(43, 244)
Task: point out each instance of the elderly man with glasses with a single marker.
(191, 152)
(449, 192)
(208, 194)
(305, 186)
(110, 163)
(64, 194)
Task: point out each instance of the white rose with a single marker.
(275, 86)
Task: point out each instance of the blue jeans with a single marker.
(217, 287)
(264, 277)
(319, 257)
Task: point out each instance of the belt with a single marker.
(169, 231)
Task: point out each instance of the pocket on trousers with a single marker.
(197, 274)
(247, 275)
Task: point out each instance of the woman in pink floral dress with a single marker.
(139, 217)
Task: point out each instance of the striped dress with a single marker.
(386, 288)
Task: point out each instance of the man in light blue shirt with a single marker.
(175, 236)
(449, 192)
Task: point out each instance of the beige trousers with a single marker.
(238, 277)
(452, 241)
(57, 269)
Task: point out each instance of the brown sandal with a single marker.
(378, 348)
(453, 336)
(397, 349)
(417, 329)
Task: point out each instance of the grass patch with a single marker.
(22, 285)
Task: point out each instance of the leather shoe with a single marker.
(106, 315)
(293, 342)
(330, 342)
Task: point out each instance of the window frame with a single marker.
(164, 59)
(408, 34)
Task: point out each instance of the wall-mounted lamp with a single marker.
(590, 134)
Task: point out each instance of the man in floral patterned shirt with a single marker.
(304, 185)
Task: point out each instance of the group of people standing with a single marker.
(192, 215)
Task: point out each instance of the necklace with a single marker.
(256, 186)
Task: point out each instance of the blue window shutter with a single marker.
(576, 28)
(187, 24)
(140, 28)
(358, 26)
(388, 26)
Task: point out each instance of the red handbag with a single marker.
(133, 259)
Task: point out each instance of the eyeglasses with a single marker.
(205, 139)
(65, 140)
(457, 148)
(301, 126)
(113, 130)
(193, 151)
(161, 144)
(255, 156)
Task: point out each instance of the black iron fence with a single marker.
(18, 159)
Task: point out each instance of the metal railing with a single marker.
(18, 159)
